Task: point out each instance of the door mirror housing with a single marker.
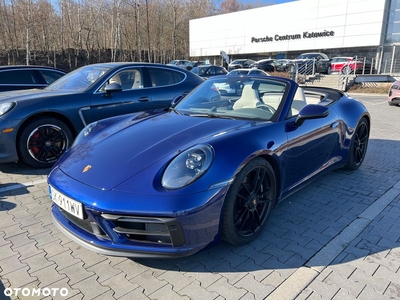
(311, 111)
(113, 87)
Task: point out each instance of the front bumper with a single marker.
(8, 151)
(159, 229)
(394, 101)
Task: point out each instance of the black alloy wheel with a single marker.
(43, 141)
(358, 146)
(249, 202)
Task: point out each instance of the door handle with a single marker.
(144, 99)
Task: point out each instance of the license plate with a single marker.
(71, 206)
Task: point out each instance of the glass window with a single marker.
(18, 77)
(234, 97)
(163, 77)
(50, 76)
(128, 79)
(220, 71)
(395, 4)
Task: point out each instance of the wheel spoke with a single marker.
(46, 143)
(241, 219)
(265, 200)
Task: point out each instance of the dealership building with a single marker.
(363, 28)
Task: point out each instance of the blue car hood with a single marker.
(127, 147)
(28, 94)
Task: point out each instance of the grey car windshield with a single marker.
(79, 80)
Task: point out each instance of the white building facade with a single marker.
(368, 28)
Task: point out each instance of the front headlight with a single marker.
(187, 167)
(6, 107)
(84, 133)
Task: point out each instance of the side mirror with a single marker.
(311, 111)
(113, 87)
(176, 100)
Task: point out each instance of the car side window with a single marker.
(128, 79)
(164, 77)
(18, 77)
(219, 71)
(50, 76)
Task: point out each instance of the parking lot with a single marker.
(339, 238)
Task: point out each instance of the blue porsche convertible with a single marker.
(169, 182)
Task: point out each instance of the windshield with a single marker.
(199, 71)
(237, 62)
(79, 80)
(234, 97)
(306, 56)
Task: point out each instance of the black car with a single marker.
(207, 71)
(27, 77)
(266, 65)
(37, 126)
(281, 65)
(240, 64)
(193, 64)
(309, 63)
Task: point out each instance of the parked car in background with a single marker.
(206, 71)
(183, 188)
(252, 71)
(394, 94)
(266, 65)
(192, 64)
(37, 126)
(240, 63)
(21, 77)
(311, 62)
(348, 65)
(281, 65)
(179, 63)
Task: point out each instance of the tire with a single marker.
(329, 70)
(358, 146)
(346, 70)
(43, 141)
(249, 202)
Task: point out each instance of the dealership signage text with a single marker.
(287, 37)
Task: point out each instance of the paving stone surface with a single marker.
(338, 238)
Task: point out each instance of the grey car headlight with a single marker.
(187, 167)
(6, 107)
(84, 133)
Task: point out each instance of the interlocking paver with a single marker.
(104, 270)
(64, 260)
(20, 277)
(90, 287)
(131, 268)
(10, 264)
(202, 275)
(176, 279)
(48, 275)
(76, 273)
(167, 293)
(196, 291)
(89, 257)
(136, 294)
(148, 282)
(257, 288)
(120, 285)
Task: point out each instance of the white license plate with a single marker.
(71, 206)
